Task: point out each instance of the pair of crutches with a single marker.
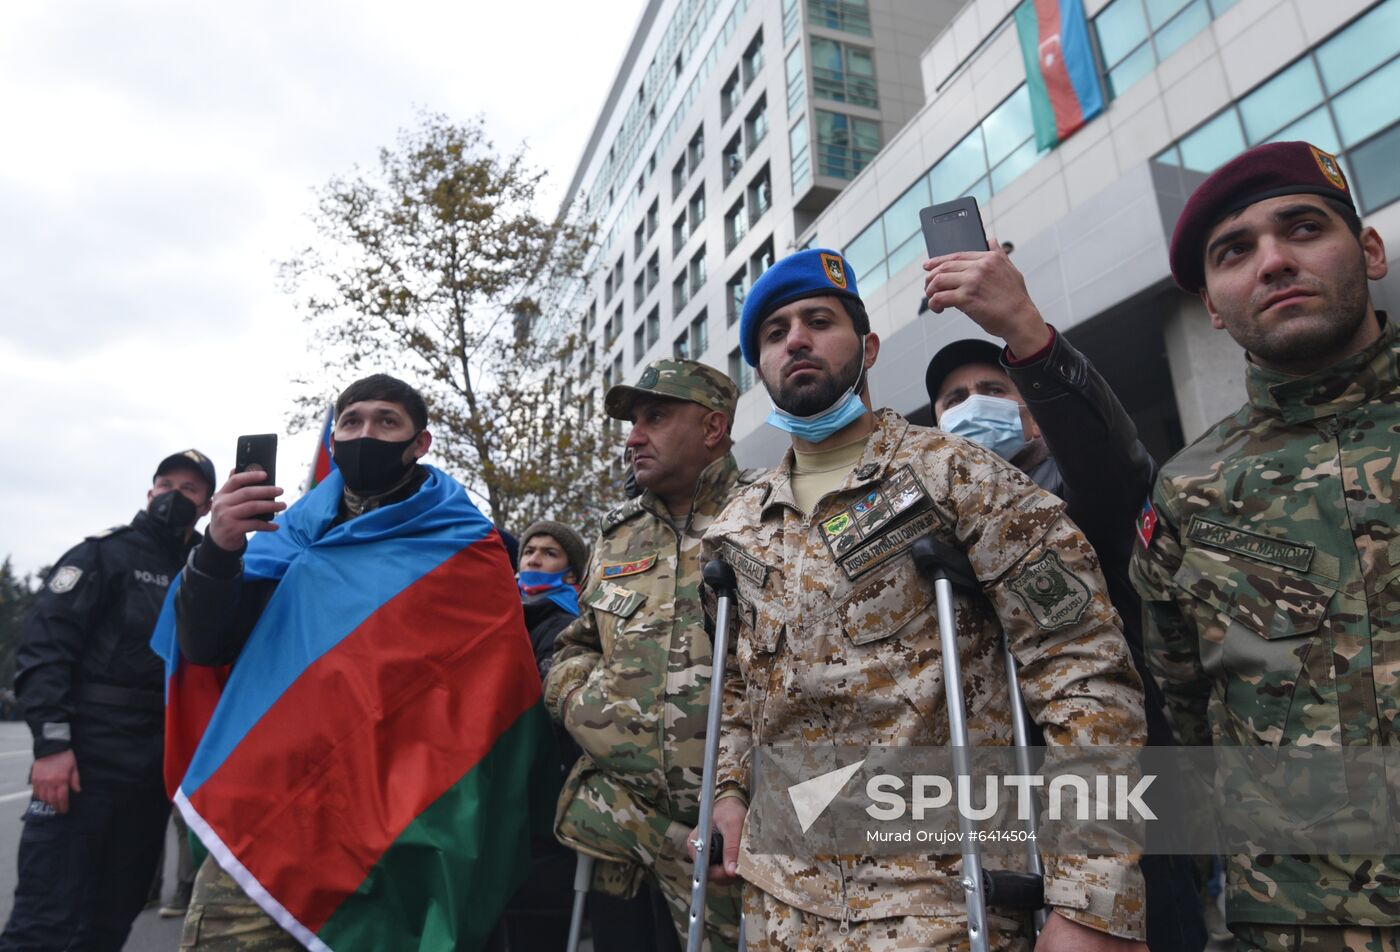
(948, 569)
(719, 577)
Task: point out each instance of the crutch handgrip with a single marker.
(1008, 889)
(935, 559)
(719, 575)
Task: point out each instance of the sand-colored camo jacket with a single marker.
(837, 644)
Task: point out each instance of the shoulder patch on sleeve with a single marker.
(1146, 523)
(1055, 597)
(64, 579)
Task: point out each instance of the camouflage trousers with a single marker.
(771, 925)
(1280, 938)
(608, 814)
(222, 918)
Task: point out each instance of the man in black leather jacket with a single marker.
(1041, 404)
(93, 693)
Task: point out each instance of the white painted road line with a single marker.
(18, 794)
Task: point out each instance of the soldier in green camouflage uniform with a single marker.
(631, 676)
(838, 644)
(1269, 556)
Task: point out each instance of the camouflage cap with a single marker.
(680, 380)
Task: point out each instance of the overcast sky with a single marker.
(159, 158)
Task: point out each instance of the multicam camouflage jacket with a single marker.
(1272, 581)
(837, 643)
(639, 657)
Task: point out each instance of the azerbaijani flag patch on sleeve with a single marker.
(1146, 523)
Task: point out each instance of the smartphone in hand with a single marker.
(953, 226)
(258, 452)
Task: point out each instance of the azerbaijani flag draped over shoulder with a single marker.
(371, 768)
(1061, 75)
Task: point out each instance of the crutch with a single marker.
(720, 578)
(948, 568)
(583, 879)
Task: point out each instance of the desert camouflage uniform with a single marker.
(639, 658)
(1272, 579)
(837, 643)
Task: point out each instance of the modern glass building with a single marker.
(1188, 84)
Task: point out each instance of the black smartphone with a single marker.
(258, 452)
(953, 226)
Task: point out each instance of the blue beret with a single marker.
(815, 272)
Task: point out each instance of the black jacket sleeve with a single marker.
(61, 622)
(1107, 472)
(215, 609)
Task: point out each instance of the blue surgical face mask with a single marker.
(817, 427)
(990, 421)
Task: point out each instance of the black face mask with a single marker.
(173, 512)
(370, 466)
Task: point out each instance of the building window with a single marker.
(756, 124)
(639, 291)
(729, 96)
(736, 225)
(639, 240)
(696, 208)
(680, 347)
(653, 270)
(733, 158)
(679, 233)
(760, 261)
(613, 282)
(653, 216)
(843, 73)
(734, 292)
(678, 178)
(845, 144)
(590, 318)
(1339, 97)
(792, 19)
(699, 334)
(760, 195)
(680, 297)
(639, 344)
(1135, 35)
(695, 150)
(796, 80)
(740, 372)
(801, 157)
(617, 368)
(613, 327)
(697, 271)
(752, 63)
(653, 326)
(850, 16)
(983, 162)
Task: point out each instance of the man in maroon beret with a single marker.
(1268, 557)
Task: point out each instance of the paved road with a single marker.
(151, 933)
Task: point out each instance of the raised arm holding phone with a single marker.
(1041, 405)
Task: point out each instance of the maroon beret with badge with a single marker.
(1265, 171)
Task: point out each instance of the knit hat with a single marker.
(570, 541)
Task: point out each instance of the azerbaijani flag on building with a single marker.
(372, 766)
(323, 462)
(1061, 75)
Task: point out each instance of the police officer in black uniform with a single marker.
(93, 693)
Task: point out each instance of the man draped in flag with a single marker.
(354, 727)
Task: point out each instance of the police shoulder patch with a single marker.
(65, 579)
(1055, 597)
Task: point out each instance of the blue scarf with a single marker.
(552, 586)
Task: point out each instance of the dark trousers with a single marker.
(1175, 919)
(84, 875)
